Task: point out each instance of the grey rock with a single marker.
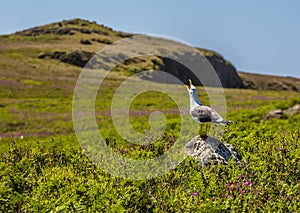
(62, 31)
(85, 30)
(277, 113)
(100, 32)
(78, 58)
(58, 54)
(36, 31)
(103, 41)
(52, 55)
(208, 150)
(44, 55)
(225, 71)
(293, 110)
(84, 41)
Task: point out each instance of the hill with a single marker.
(75, 42)
(269, 82)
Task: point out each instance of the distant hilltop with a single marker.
(74, 42)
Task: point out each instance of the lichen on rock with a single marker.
(208, 150)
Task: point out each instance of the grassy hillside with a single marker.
(59, 41)
(43, 168)
(269, 82)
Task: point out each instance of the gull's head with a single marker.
(191, 88)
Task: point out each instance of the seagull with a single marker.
(201, 113)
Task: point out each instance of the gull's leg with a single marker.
(206, 128)
(201, 132)
(200, 129)
(213, 129)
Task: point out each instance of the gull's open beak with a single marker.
(188, 87)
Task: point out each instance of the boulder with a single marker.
(208, 150)
(293, 110)
(103, 41)
(78, 58)
(52, 55)
(85, 41)
(45, 55)
(277, 113)
(58, 54)
(62, 31)
(100, 32)
(85, 30)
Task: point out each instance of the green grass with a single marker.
(62, 178)
(47, 171)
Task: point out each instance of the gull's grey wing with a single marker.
(206, 114)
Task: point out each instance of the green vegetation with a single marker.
(47, 171)
(43, 168)
(63, 179)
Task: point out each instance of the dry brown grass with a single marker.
(269, 82)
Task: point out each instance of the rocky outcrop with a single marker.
(293, 110)
(225, 71)
(85, 41)
(91, 30)
(208, 150)
(97, 33)
(77, 58)
(36, 31)
(52, 55)
(278, 113)
(103, 41)
(68, 27)
(59, 31)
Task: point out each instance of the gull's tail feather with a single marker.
(227, 122)
(224, 122)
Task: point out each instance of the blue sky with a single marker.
(256, 36)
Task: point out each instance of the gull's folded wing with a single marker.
(206, 114)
